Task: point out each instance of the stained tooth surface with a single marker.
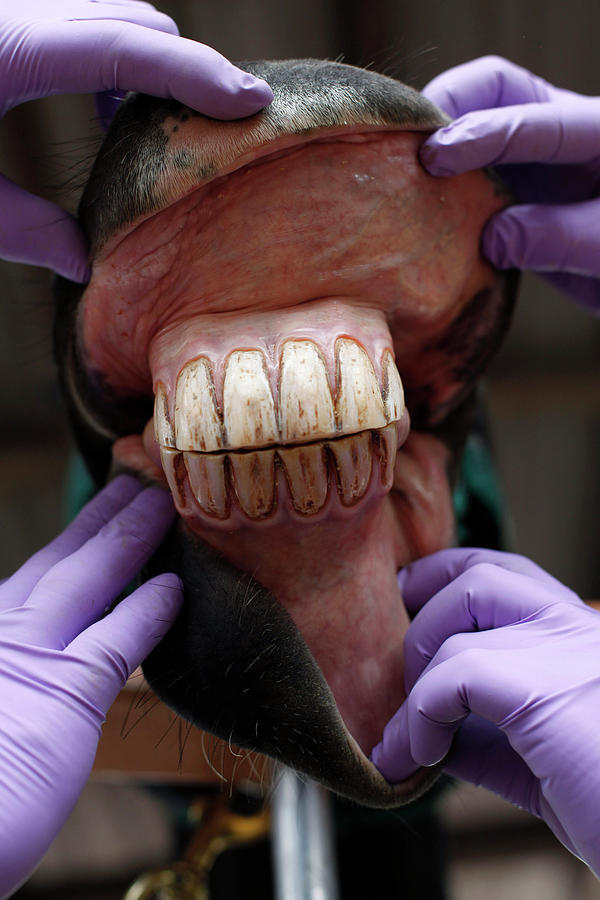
(254, 479)
(392, 386)
(386, 447)
(359, 404)
(248, 408)
(305, 404)
(163, 427)
(175, 473)
(197, 422)
(306, 472)
(208, 482)
(353, 465)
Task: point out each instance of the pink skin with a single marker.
(338, 237)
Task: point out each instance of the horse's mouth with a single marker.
(255, 336)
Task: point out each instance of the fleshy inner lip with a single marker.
(257, 156)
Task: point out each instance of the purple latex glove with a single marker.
(60, 668)
(545, 142)
(85, 46)
(503, 669)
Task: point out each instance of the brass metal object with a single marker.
(219, 828)
(179, 882)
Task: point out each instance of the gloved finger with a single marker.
(121, 641)
(140, 3)
(107, 103)
(442, 698)
(559, 132)
(420, 580)
(392, 754)
(422, 730)
(482, 755)
(585, 291)
(483, 598)
(37, 232)
(485, 83)
(107, 55)
(138, 13)
(78, 589)
(545, 238)
(94, 515)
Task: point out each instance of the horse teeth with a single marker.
(254, 481)
(163, 427)
(249, 410)
(359, 404)
(197, 422)
(306, 472)
(392, 389)
(217, 482)
(353, 463)
(208, 482)
(306, 411)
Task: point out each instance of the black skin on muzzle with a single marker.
(235, 654)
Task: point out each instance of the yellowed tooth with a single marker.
(305, 404)
(248, 408)
(197, 422)
(208, 482)
(385, 444)
(353, 464)
(163, 427)
(359, 404)
(254, 480)
(392, 389)
(306, 471)
(174, 469)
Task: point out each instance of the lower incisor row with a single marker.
(217, 480)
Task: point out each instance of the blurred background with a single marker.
(543, 391)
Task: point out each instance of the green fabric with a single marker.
(79, 488)
(478, 502)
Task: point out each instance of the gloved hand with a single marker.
(544, 141)
(83, 46)
(505, 660)
(60, 672)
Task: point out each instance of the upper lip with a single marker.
(283, 145)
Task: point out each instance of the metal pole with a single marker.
(302, 840)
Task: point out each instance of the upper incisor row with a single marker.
(307, 411)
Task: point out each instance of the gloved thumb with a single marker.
(35, 231)
(116, 645)
(107, 104)
(545, 238)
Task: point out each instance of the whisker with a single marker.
(209, 762)
(126, 734)
(188, 731)
(166, 731)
